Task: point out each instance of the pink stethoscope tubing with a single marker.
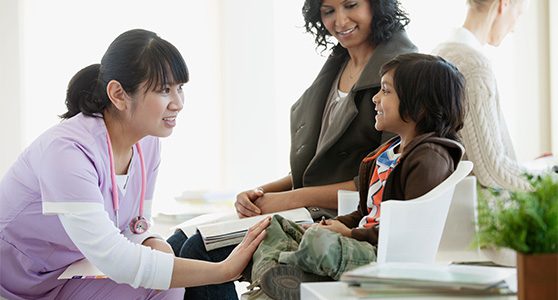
(115, 198)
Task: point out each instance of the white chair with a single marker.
(347, 202)
(460, 230)
(410, 231)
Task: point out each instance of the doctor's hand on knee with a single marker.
(239, 258)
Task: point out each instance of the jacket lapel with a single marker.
(369, 78)
(319, 92)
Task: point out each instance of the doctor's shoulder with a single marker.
(79, 132)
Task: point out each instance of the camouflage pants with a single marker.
(319, 251)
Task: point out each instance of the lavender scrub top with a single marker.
(65, 167)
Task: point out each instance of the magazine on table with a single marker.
(400, 278)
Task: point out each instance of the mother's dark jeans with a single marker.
(194, 248)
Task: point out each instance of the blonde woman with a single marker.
(485, 134)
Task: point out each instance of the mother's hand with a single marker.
(244, 203)
(274, 202)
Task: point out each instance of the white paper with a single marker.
(190, 227)
(82, 269)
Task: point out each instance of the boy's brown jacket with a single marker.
(425, 162)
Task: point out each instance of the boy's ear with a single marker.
(117, 95)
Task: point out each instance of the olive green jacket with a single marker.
(355, 136)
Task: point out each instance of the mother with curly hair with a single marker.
(332, 124)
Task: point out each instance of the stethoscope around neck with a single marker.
(139, 224)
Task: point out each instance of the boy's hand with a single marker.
(336, 226)
(305, 226)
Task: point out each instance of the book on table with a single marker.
(422, 278)
(226, 229)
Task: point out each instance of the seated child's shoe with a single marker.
(283, 281)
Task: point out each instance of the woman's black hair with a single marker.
(387, 19)
(134, 57)
(430, 91)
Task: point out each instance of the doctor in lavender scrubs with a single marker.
(84, 187)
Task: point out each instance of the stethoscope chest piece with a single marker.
(139, 225)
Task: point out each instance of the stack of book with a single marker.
(428, 279)
(226, 229)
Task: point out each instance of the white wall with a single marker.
(59, 39)
(233, 132)
(11, 113)
(553, 34)
(249, 61)
(429, 26)
(266, 67)
(521, 66)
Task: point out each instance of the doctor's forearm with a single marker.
(190, 272)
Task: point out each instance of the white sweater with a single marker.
(485, 134)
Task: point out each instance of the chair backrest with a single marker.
(410, 231)
(460, 230)
(347, 202)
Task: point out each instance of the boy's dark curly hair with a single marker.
(387, 18)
